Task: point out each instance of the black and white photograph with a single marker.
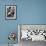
(29, 34)
(10, 12)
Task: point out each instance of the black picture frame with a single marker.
(10, 12)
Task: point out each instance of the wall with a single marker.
(28, 12)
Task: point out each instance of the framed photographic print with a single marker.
(10, 12)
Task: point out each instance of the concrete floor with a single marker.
(28, 43)
(32, 43)
(7, 45)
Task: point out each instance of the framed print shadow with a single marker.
(10, 12)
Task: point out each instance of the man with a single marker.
(10, 12)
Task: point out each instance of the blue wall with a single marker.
(28, 12)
